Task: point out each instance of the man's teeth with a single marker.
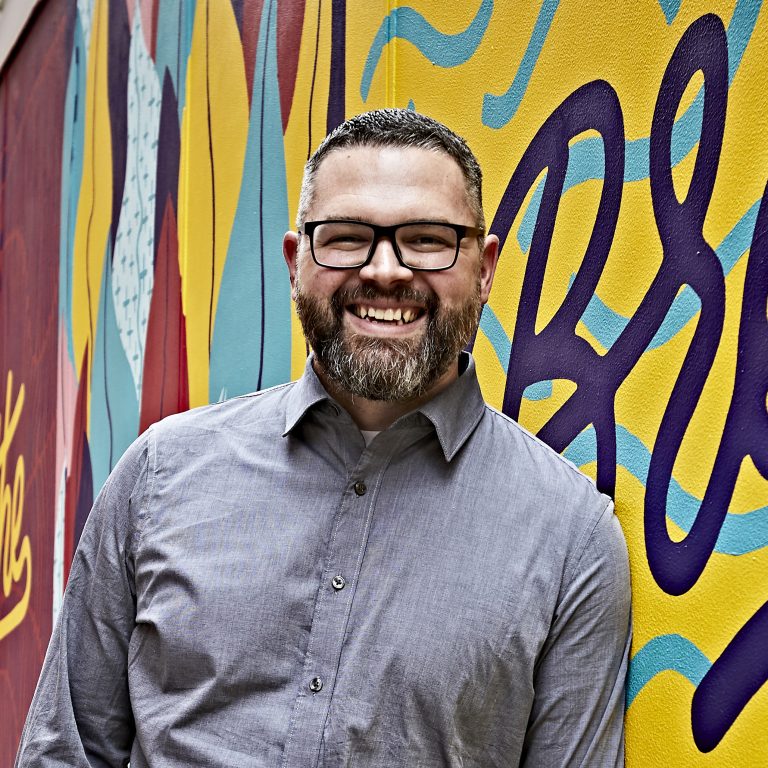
(400, 316)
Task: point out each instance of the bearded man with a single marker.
(370, 567)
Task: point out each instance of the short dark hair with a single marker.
(396, 128)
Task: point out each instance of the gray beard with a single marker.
(379, 368)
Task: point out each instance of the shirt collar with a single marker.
(454, 413)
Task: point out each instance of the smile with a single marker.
(394, 315)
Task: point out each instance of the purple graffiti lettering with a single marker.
(557, 351)
(730, 683)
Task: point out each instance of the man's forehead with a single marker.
(410, 172)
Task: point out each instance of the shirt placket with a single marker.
(349, 538)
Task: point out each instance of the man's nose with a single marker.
(384, 267)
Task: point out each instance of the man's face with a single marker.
(428, 316)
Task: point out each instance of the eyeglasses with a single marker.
(418, 245)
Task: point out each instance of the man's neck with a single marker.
(380, 414)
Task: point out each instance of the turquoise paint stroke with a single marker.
(496, 335)
(175, 23)
(261, 218)
(499, 341)
(441, 49)
(670, 9)
(114, 406)
(665, 653)
(606, 325)
(71, 178)
(740, 534)
(499, 110)
(586, 161)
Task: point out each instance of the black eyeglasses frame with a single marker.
(379, 231)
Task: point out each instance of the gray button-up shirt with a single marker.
(255, 587)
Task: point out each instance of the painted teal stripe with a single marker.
(255, 248)
(441, 49)
(495, 333)
(71, 177)
(499, 110)
(741, 533)
(665, 653)
(114, 406)
(670, 9)
(606, 325)
(175, 23)
(586, 161)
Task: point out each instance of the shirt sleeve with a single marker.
(577, 717)
(80, 715)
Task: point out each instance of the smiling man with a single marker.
(367, 568)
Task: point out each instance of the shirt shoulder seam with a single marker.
(530, 436)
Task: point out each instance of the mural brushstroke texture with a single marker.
(162, 142)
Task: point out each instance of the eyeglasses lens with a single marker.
(421, 245)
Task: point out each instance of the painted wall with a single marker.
(150, 160)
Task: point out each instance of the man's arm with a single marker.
(578, 713)
(81, 713)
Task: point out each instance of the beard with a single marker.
(386, 369)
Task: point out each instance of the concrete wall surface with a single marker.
(150, 159)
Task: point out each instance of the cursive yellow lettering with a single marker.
(15, 551)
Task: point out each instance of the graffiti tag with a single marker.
(688, 259)
(15, 551)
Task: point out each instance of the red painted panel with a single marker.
(31, 117)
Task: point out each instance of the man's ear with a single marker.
(291, 255)
(488, 261)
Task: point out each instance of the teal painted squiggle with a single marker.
(670, 9)
(497, 336)
(606, 325)
(499, 110)
(665, 653)
(741, 532)
(441, 49)
(586, 160)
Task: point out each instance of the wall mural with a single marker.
(150, 161)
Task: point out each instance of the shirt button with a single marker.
(315, 685)
(337, 582)
(360, 488)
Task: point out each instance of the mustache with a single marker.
(345, 296)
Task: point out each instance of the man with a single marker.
(369, 567)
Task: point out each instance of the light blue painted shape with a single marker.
(114, 406)
(741, 533)
(606, 325)
(441, 49)
(496, 335)
(85, 17)
(175, 21)
(539, 390)
(71, 177)
(499, 110)
(586, 161)
(665, 653)
(670, 9)
(133, 277)
(261, 218)
(411, 105)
